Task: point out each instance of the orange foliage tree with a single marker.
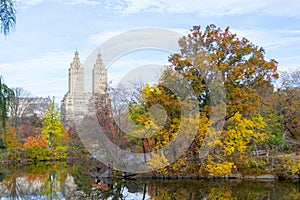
(37, 147)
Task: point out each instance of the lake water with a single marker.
(61, 181)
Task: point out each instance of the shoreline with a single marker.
(262, 177)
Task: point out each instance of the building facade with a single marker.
(77, 102)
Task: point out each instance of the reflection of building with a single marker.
(76, 102)
(33, 186)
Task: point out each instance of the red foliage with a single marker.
(27, 130)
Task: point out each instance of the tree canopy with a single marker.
(245, 73)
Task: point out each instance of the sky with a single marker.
(37, 54)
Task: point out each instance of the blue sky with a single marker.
(37, 55)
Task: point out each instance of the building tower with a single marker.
(76, 76)
(77, 103)
(99, 76)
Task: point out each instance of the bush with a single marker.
(36, 148)
(38, 153)
(60, 152)
(16, 154)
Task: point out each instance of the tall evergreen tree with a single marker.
(6, 94)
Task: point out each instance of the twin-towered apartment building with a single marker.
(77, 102)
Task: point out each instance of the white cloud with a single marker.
(208, 7)
(30, 3)
(80, 2)
(281, 45)
(43, 76)
(289, 63)
(128, 65)
(271, 39)
(99, 38)
(200, 7)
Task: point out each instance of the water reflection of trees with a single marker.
(121, 189)
(40, 180)
(200, 189)
(204, 189)
(11, 184)
(59, 180)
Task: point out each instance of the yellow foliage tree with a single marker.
(53, 129)
(241, 132)
(11, 138)
(219, 168)
(292, 165)
(158, 162)
(157, 115)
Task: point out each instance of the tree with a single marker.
(19, 105)
(53, 129)
(7, 16)
(208, 60)
(240, 132)
(37, 147)
(212, 58)
(6, 95)
(157, 116)
(206, 55)
(286, 103)
(12, 140)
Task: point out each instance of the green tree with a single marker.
(271, 112)
(282, 106)
(54, 131)
(7, 16)
(6, 95)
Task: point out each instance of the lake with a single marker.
(62, 181)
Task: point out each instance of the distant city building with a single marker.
(36, 106)
(77, 102)
(29, 106)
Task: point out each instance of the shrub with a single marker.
(36, 148)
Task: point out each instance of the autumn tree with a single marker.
(105, 118)
(12, 140)
(54, 131)
(156, 115)
(242, 66)
(29, 126)
(209, 60)
(285, 102)
(211, 55)
(36, 147)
